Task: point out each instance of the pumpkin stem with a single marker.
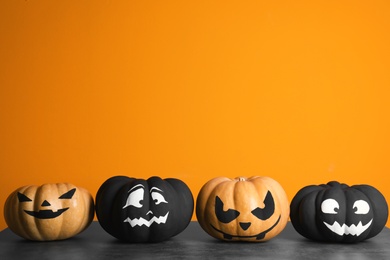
(241, 179)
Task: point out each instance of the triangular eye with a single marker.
(268, 210)
(23, 198)
(68, 195)
(225, 216)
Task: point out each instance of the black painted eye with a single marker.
(224, 216)
(68, 195)
(23, 198)
(268, 210)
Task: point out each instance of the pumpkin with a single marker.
(251, 209)
(138, 210)
(338, 213)
(49, 212)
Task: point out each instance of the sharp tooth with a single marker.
(141, 221)
(354, 230)
(336, 228)
(359, 225)
(226, 236)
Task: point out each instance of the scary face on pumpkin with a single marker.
(46, 213)
(142, 215)
(138, 210)
(333, 214)
(254, 209)
(339, 213)
(258, 214)
(49, 212)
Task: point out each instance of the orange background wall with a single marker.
(295, 90)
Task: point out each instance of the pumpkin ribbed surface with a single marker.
(49, 212)
(252, 209)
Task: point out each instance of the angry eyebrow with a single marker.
(155, 188)
(137, 187)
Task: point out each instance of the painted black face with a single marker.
(227, 216)
(47, 213)
(346, 218)
(144, 213)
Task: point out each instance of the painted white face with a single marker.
(136, 198)
(360, 207)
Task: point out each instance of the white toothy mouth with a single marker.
(144, 222)
(354, 230)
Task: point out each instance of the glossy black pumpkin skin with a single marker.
(338, 213)
(138, 210)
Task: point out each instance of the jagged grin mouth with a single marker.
(354, 230)
(258, 236)
(144, 222)
(46, 214)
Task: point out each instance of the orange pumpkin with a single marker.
(252, 209)
(49, 212)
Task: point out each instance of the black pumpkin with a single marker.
(138, 210)
(338, 213)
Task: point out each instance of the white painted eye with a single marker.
(330, 206)
(135, 198)
(361, 207)
(158, 198)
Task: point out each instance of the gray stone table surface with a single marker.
(192, 243)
